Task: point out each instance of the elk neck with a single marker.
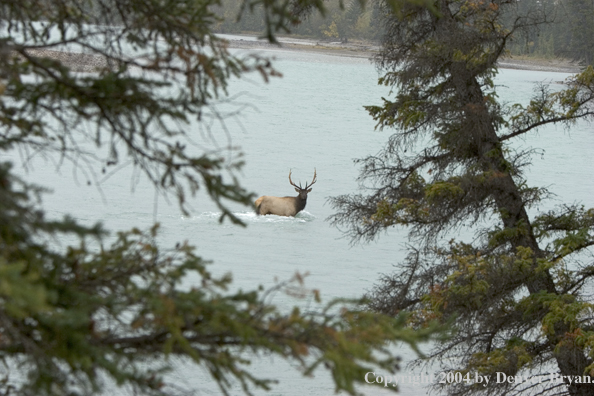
(300, 202)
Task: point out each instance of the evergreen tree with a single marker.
(102, 82)
(580, 24)
(517, 296)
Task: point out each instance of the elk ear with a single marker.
(309, 190)
(296, 189)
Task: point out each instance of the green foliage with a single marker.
(98, 309)
(500, 360)
(88, 311)
(332, 31)
(518, 296)
(103, 83)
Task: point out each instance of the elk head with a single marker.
(303, 190)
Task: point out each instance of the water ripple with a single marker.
(251, 217)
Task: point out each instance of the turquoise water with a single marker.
(311, 118)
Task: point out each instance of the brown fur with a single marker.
(280, 206)
(284, 206)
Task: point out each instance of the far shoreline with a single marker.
(354, 49)
(360, 49)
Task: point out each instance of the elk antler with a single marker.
(293, 184)
(306, 185)
(312, 182)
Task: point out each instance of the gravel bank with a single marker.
(366, 50)
(89, 63)
(75, 61)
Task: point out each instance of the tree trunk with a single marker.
(570, 358)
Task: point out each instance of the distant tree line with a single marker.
(349, 21)
(569, 32)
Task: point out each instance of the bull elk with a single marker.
(285, 206)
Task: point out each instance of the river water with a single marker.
(310, 118)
